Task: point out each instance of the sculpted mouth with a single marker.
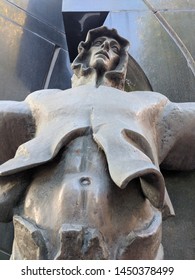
(103, 53)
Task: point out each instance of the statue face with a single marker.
(104, 54)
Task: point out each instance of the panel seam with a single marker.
(172, 33)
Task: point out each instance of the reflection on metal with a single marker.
(174, 36)
(136, 78)
(167, 5)
(4, 255)
(44, 11)
(28, 41)
(51, 68)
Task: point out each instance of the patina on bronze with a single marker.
(79, 169)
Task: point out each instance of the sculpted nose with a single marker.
(105, 46)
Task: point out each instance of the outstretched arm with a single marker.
(16, 127)
(176, 128)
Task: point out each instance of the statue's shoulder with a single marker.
(41, 94)
(146, 96)
(150, 96)
(46, 94)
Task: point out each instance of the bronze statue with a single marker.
(79, 169)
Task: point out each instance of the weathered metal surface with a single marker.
(48, 12)
(172, 5)
(164, 63)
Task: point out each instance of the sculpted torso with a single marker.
(75, 188)
(82, 180)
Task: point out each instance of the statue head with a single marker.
(104, 54)
(102, 58)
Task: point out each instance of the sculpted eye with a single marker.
(115, 49)
(97, 43)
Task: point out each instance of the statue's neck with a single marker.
(84, 79)
(111, 79)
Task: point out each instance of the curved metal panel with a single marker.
(20, 52)
(156, 52)
(27, 47)
(44, 10)
(172, 5)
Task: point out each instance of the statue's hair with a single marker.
(102, 31)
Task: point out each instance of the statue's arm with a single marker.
(16, 127)
(176, 129)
